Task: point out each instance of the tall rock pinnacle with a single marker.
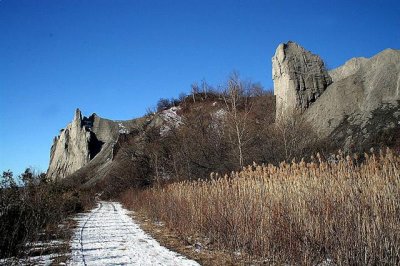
(70, 150)
(300, 77)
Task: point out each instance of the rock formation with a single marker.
(299, 78)
(348, 69)
(351, 105)
(70, 150)
(363, 101)
(87, 145)
(83, 140)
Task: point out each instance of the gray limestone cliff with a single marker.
(82, 141)
(363, 101)
(348, 69)
(70, 150)
(87, 146)
(354, 104)
(299, 76)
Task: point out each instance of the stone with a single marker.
(70, 150)
(299, 76)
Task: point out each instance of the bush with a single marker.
(26, 211)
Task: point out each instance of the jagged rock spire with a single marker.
(70, 150)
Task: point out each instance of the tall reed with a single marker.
(298, 212)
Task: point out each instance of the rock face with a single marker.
(348, 69)
(363, 101)
(87, 146)
(300, 77)
(83, 140)
(352, 105)
(70, 150)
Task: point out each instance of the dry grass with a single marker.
(298, 213)
(204, 254)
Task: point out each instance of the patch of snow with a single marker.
(122, 129)
(158, 223)
(35, 260)
(237, 253)
(108, 236)
(37, 248)
(327, 262)
(220, 114)
(218, 120)
(43, 260)
(51, 243)
(171, 119)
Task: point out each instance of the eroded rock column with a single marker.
(300, 77)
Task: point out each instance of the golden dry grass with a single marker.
(298, 213)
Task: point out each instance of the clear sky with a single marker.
(116, 58)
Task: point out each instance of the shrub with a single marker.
(26, 211)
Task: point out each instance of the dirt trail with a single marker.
(108, 236)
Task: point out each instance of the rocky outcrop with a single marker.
(85, 141)
(363, 101)
(299, 76)
(71, 149)
(353, 105)
(348, 69)
(87, 146)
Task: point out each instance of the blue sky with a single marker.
(116, 58)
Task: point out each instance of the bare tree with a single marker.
(195, 90)
(238, 108)
(204, 87)
(295, 135)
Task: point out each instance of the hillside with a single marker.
(354, 107)
(89, 144)
(363, 102)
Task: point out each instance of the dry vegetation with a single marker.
(299, 213)
(33, 210)
(302, 213)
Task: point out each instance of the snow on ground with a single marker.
(122, 129)
(218, 121)
(44, 259)
(171, 118)
(220, 114)
(108, 236)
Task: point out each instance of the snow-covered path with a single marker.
(108, 236)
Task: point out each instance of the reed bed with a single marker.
(340, 211)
